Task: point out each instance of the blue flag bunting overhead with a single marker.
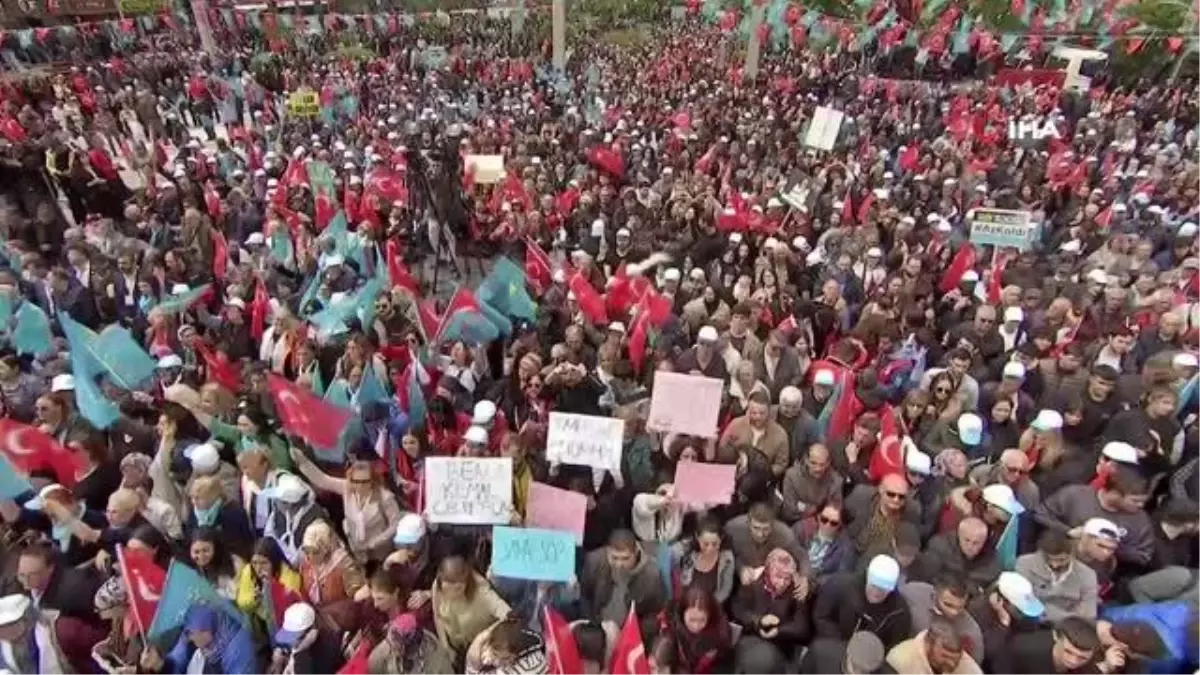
(32, 333)
(183, 589)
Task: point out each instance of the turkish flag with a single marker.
(220, 255)
(607, 160)
(562, 653)
(538, 267)
(398, 273)
(218, 369)
(590, 302)
(258, 310)
(463, 301)
(629, 654)
(29, 449)
(889, 455)
(388, 186)
(144, 583)
(304, 414)
(964, 259)
(295, 176)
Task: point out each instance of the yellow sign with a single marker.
(131, 7)
(304, 103)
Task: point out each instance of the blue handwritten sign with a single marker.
(530, 553)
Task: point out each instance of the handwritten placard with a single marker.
(585, 440)
(553, 509)
(304, 103)
(488, 169)
(685, 404)
(531, 553)
(467, 490)
(703, 483)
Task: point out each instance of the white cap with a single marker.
(288, 489)
(180, 289)
(13, 608)
(1072, 246)
(823, 377)
(476, 435)
(1098, 276)
(672, 274)
(484, 411)
(236, 302)
(170, 361)
(1185, 360)
(1103, 527)
(944, 226)
(1013, 314)
(1017, 590)
(1188, 230)
(623, 232)
(970, 275)
(38, 503)
(1001, 496)
(918, 462)
(617, 327)
(256, 239)
(298, 619)
(1123, 453)
(883, 573)
(409, 530)
(1047, 420)
(1015, 370)
(64, 382)
(707, 334)
(800, 244)
(204, 457)
(970, 428)
(874, 252)
(735, 237)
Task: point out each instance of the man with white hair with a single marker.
(1011, 469)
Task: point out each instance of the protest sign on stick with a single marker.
(703, 483)
(553, 509)
(468, 490)
(530, 553)
(685, 404)
(586, 440)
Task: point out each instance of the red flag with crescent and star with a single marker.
(29, 449)
(144, 583)
(304, 414)
(629, 654)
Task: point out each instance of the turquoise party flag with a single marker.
(1007, 41)
(364, 300)
(6, 311)
(350, 106)
(502, 323)
(338, 393)
(505, 290)
(32, 334)
(12, 483)
(962, 39)
(122, 358)
(79, 341)
(1006, 546)
(370, 389)
(182, 302)
(93, 405)
(184, 589)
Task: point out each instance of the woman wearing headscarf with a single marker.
(408, 648)
(267, 573)
(211, 642)
(330, 576)
(372, 511)
(698, 631)
(773, 617)
(123, 646)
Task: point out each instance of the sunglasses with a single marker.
(983, 320)
(360, 481)
(829, 521)
(1013, 469)
(942, 390)
(895, 495)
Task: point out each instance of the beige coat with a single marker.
(773, 444)
(909, 657)
(459, 622)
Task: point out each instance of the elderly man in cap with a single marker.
(42, 640)
(851, 602)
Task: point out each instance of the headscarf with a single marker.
(224, 629)
(111, 594)
(779, 572)
(320, 538)
(951, 462)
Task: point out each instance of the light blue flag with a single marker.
(532, 553)
(32, 334)
(124, 360)
(184, 588)
(6, 312)
(963, 37)
(12, 483)
(338, 393)
(370, 390)
(1006, 546)
(93, 405)
(316, 383)
(416, 402)
(364, 300)
(79, 341)
(1187, 397)
(182, 302)
(349, 106)
(469, 327)
(505, 290)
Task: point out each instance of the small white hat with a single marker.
(1103, 527)
(204, 457)
(1017, 590)
(256, 239)
(476, 436)
(800, 244)
(672, 274)
(1001, 496)
(298, 619)
(1047, 420)
(970, 275)
(874, 252)
(707, 334)
(180, 289)
(1072, 246)
(616, 327)
(13, 608)
(1098, 276)
(170, 361)
(1122, 453)
(918, 462)
(409, 530)
(1014, 370)
(64, 382)
(1013, 314)
(970, 428)
(288, 489)
(1185, 360)
(735, 237)
(823, 377)
(38, 502)
(1188, 230)
(484, 412)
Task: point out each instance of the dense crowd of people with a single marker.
(950, 457)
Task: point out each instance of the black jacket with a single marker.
(841, 609)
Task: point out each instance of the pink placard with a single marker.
(703, 483)
(554, 509)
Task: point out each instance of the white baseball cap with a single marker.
(918, 462)
(1047, 420)
(1001, 496)
(970, 428)
(484, 412)
(823, 377)
(288, 489)
(1014, 314)
(298, 619)
(409, 530)
(1015, 370)
(13, 608)
(707, 334)
(1105, 528)
(1017, 590)
(476, 435)
(1120, 452)
(204, 457)
(170, 361)
(64, 382)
